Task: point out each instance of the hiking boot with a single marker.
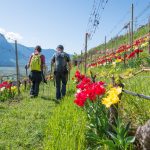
(32, 96)
(57, 101)
(45, 81)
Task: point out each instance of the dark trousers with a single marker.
(61, 82)
(36, 78)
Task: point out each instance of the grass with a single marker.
(137, 109)
(66, 128)
(22, 124)
(39, 124)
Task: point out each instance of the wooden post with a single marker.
(25, 84)
(116, 46)
(105, 49)
(86, 38)
(91, 57)
(81, 60)
(26, 71)
(149, 35)
(112, 45)
(1, 79)
(17, 68)
(132, 15)
(129, 34)
(126, 27)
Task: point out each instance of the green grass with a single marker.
(39, 124)
(66, 128)
(136, 109)
(22, 124)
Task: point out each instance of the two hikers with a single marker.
(62, 65)
(36, 65)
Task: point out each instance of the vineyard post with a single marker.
(127, 27)
(86, 38)
(105, 49)
(149, 34)
(26, 71)
(112, 45)
(17, 68)
(132, 21)
(1, 79)
(81, 61)
(91, 57)
(116, 43)
(25, 81)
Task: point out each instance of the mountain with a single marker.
(25, 53)
(7, 53)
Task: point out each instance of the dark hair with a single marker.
(61, 47)
(38, 48)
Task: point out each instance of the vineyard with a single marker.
(111, 102)
(107, 105)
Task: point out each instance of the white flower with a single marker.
(104, 64)
(114, 64)
(78, 91)
(2, 89)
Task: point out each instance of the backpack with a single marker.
(35, 64)
(60, 62)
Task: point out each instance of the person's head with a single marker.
(38, 48)
(60, 48)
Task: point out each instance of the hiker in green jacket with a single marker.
(36, 65)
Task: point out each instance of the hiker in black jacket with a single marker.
(62, 65)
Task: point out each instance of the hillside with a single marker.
(119, 40)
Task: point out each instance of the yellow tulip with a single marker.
(144, 44)
(118, 60)
(13, 88)
(112, 97)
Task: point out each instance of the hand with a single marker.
(26, 67)
(70, 67)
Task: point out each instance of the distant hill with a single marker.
(25, 53)
(7, 53)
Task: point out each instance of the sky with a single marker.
(52, 22)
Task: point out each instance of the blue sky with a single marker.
(52, 22)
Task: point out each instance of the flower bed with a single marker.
(7, 90)
(124, 52)
(95, 99)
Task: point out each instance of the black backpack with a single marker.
(60, 62)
